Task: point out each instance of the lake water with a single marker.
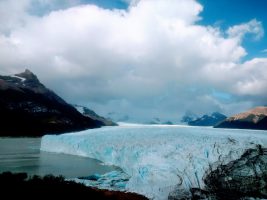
(24, 155)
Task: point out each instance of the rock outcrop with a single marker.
(28, 108)
(245, 177)
(253, 119)
(241, 179)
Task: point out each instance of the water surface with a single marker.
(24, 155)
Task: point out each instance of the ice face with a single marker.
(114, 180)
(158, 159)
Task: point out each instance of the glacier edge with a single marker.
(158, 159)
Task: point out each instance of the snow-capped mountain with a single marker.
(189, 116)
(205, 120)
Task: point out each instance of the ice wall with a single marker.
(159, 159)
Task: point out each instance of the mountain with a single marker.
(154, 121)
(168, 123)
(118, 117)
(252, 119)
(90, 113)
(28, 108)
(189, 116)
(208, 120)
(157, 120)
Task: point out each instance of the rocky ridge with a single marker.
(90, 113)
(252, 119)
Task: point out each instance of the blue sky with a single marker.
(227, 13)
(108, 3)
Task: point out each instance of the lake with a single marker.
(24, 155)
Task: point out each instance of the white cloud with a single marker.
(13, 14)
(254, 76)
(252, 27)
(154, 56)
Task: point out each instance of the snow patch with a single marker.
(80, 109)
(21, 79)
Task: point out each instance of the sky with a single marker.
(141, 59)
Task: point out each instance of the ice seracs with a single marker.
(158, 159)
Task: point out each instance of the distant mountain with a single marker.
(118, 117)
(90, 113)
(28, 108)
(157, 120)
(208, 120)
(168, 123)
(188, 117)
(252, 119)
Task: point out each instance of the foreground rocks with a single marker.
(241, 179)
(50, 187)
(28, 108)
(244, 177)
(252, 119)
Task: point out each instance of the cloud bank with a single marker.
(152, 60)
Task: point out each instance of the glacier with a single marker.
(159, 159)
(114, 180)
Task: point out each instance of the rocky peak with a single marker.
(217, 114)
(28, 76)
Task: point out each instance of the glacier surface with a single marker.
(158, 159)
